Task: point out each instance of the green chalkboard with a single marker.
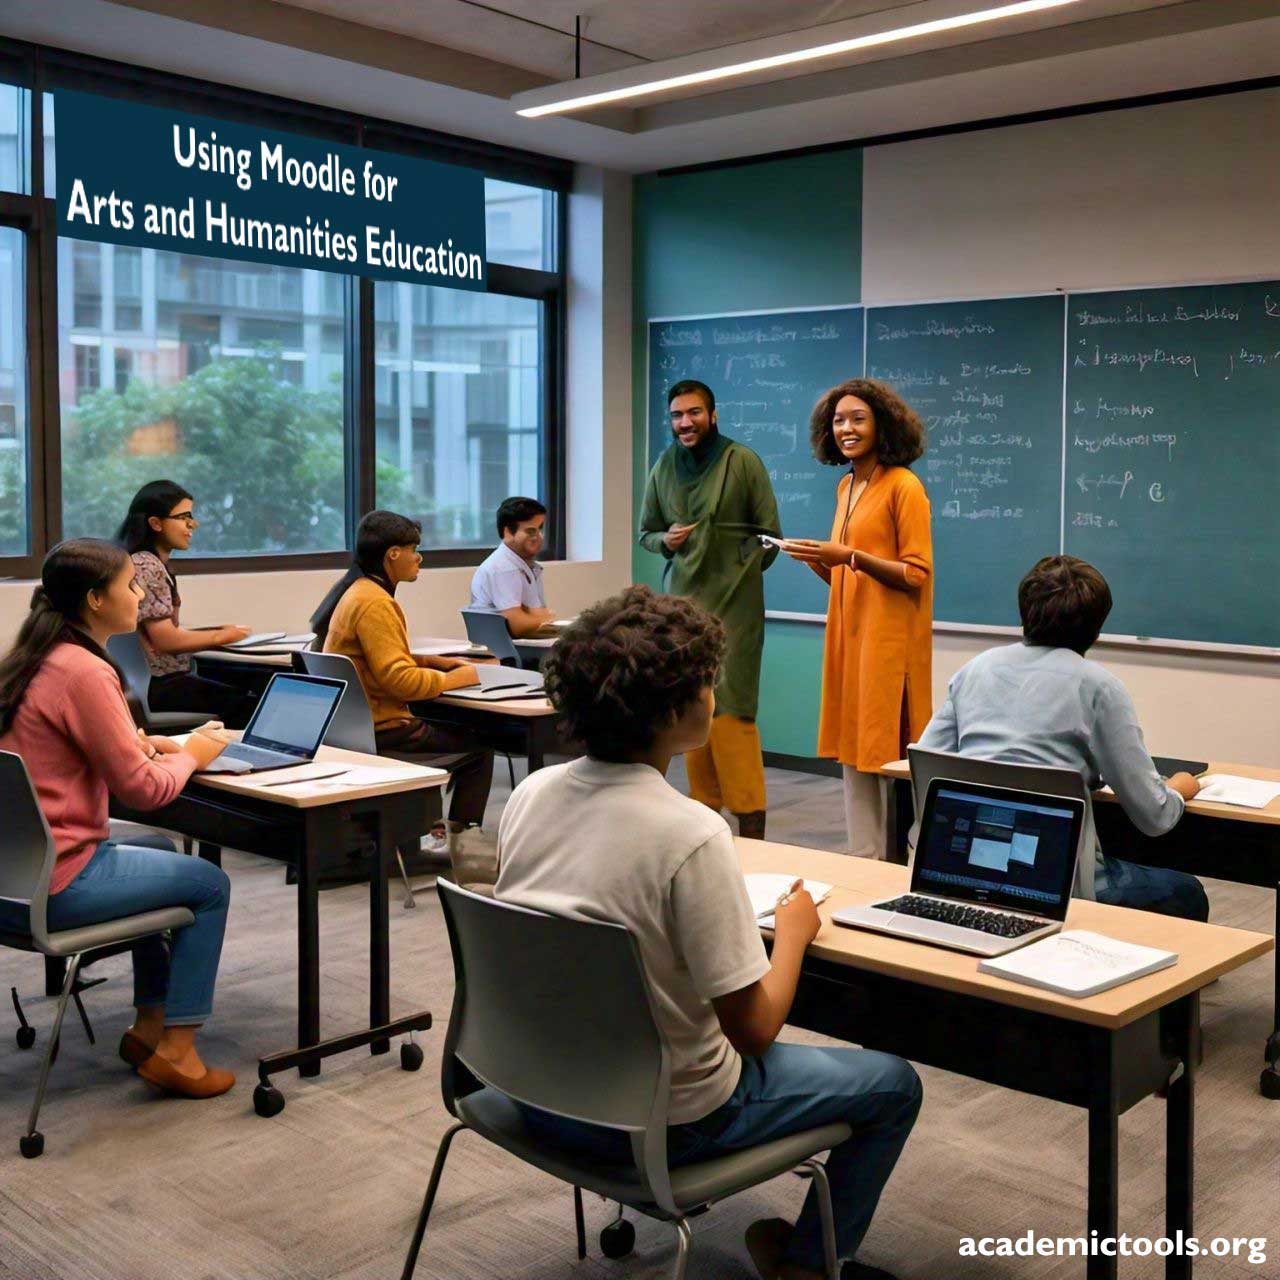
(766, 370)
(1173, 457)
(986, 378)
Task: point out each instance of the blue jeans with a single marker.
(1171, 893)
(145, 874)
(789, 1088)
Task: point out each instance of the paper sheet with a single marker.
(765, 888)
(1228, 788)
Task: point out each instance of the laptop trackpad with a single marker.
(225, 764)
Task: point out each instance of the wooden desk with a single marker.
(1222, 841)
(310, 825)
(530, 726)
(1104, 1054)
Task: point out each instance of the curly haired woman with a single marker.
(607, 838)
(877, 669)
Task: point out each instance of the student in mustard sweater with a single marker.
(63, 710)
(361, 620)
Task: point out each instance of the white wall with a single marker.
(1182, 192)
(598, 432)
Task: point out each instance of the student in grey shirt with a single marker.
(509, 581)
(1043, 702)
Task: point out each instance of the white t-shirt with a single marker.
(616, 842)
(506, 580)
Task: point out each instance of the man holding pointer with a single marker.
(707, 500)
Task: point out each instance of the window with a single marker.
(15, 528)
(288, 401)
(458, 397)
(229, 391)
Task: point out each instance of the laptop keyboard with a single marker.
(256, 755)
(1000, 923)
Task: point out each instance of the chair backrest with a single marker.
(490, 630)
(27, 852)
(556, 1013)
(131, 658)
(352, 725)
(1050, 780)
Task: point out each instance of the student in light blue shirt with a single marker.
(509, 581)
(1043, 702)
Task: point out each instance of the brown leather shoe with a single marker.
(164, 1075)
(134, 1050)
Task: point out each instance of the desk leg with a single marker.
(535, 747)
(308, 955)
(899, 815)
(1179, 1179)
(1104, 1155)
(1269, 1084)
(55, 973)
(209, 852)
(380, 937)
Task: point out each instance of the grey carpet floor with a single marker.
(135, 1186)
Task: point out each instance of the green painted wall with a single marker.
(783, 234)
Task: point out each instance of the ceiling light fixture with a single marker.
(544, 102)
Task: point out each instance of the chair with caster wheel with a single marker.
(27, 856)
(557, 1013)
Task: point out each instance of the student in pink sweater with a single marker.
(63, 710)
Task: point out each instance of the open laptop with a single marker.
(287, 728)
(993, 870)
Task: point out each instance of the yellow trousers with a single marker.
(729, 771)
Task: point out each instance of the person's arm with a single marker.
(752, 1017)
(392, 666)
(164, 637)
(526, 620)
(718, 937)
(1126, 765)
(458, 672)
(655, 529)
(942, 733)
(96, 719)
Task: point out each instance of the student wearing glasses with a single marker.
(161, 520)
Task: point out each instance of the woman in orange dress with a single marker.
(877, 666)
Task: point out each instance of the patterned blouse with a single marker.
(161, 601)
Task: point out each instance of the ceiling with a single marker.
(454, 64)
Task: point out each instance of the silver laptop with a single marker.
(287, 728)
(993, 870)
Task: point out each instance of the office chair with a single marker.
(352, 725)
(557, 1014)
(131, 658)
(1047, 779)
(27, 856)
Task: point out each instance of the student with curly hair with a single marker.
(877, 667)
(634, 678)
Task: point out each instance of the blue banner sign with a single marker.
(139, 175)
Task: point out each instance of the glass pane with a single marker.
(15, 535)
(13, 126)
(457, 380)
(520, 225)
(50, 177)
(223, 376)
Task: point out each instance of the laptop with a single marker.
(497, 683)
(993, 870)
(287, 728)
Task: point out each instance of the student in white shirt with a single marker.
(606, 837)
(509, 581)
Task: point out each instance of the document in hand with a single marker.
(1078, 963)
(1227, 788)
(765, 888)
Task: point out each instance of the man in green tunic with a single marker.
(707, 500)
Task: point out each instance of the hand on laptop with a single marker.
(206, 743)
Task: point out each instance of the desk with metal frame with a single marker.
(1104, 1054)
(1222, 841)
(307, 825)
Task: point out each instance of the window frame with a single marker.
(41, 69)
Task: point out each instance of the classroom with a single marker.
(638, 640)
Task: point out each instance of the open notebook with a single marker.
(1078, 963)
(765, 888)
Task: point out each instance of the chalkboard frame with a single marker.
(1114, 639)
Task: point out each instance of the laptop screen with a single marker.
(293, 714)
(1004, 848)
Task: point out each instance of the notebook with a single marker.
(765, 888)
(1078, 963)
(1228, 788)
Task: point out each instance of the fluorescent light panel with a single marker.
(580, 102)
